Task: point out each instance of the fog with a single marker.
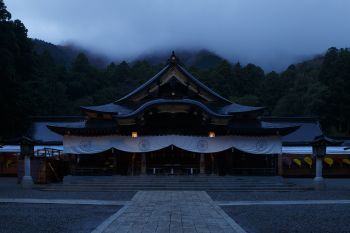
(269, 33)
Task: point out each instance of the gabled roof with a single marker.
(258, 127)
(42, 135)
(309, 128)
(173, 64)
(217, 106)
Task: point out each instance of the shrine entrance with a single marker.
(172, 161)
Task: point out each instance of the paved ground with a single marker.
(52, 218)
(336, 189)
(176, 211)
(292, 218)
(118, 195)
(170, 212)
(342, 184)
(270, 196)
(10, 189)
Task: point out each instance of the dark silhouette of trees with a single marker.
(4, 14)
(34, 83)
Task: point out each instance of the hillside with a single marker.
(65, 54)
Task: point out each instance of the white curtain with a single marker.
(92, 145)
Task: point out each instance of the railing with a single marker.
(172, 170)
(90, 171)
(47, 152)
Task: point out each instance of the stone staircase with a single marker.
(190, 183)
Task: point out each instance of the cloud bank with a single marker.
(269, 33)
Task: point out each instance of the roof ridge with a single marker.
(51, 117)
(298, 118)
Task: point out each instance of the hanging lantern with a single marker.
(134, 134)
(211, 134)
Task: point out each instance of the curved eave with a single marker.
(110, 108)
(282, 131)
(238, 108)
(123, 112)
(82, 130)
(158, 102)
(252, 112)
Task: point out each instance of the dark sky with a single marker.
(269, 33)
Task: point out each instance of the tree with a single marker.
(272, 89)
(335, 75)
(81, 64)
(15, 69)
(4, 14)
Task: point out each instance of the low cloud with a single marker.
(270, 33)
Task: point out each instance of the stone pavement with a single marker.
(171, 212)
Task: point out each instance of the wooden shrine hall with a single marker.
(172, 124)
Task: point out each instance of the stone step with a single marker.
(176, 189)
(169, 187)
(183, 184)
(205, 183)
(174, 177)
(170, 179)
(172, 185)
(175, 183)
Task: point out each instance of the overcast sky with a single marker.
(269, 33)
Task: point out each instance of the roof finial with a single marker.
(173, 58)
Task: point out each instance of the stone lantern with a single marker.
(27, 151)
(319, 151)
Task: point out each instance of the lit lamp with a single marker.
(212, 134)
(134, 134)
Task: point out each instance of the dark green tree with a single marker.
(15, 69)
(4, 14)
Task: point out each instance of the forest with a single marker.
(37, 80)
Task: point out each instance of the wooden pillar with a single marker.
(143, 164)
(132, 164)
(280, 164)
(114, 154)
(212, 164)
(202, 164)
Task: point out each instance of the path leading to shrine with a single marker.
(170, 212)
(179, 210)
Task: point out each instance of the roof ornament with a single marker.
(173, 59)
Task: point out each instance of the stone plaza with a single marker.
(48, 208)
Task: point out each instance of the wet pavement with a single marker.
(52, 218)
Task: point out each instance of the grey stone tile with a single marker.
(171, 211)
